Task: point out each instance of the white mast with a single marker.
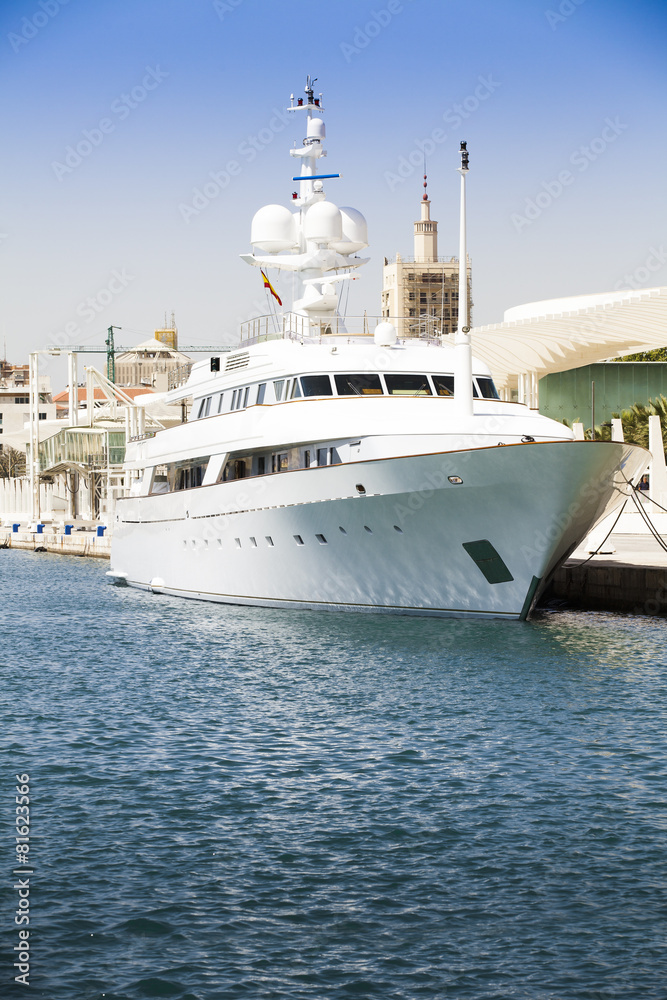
(462, 343)
(318, 244)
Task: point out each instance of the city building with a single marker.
(15, 405)
(150, 363)
(420, 294)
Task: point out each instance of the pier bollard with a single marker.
(101, 528)
(16, 528)
(40, 529)
(68, 529)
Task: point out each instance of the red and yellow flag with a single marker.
(267, 284)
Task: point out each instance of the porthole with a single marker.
(237, 543)
(220, 543)
(342, 530)
(361, 490)
(399, 530)
(321, 539)
(369, 530)
(456, 480)
(269, 541)
(253, 542)
(298, 539)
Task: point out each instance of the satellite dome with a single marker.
(272, 229)
(385, 335)
(323, 222)
(355, 232)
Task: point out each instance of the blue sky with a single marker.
(562, 104)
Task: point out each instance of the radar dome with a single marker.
(385, 335)
(272, 229)
(323, 222)
(355, 232)
(316, 129)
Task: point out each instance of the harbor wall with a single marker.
(79, 543)
(641, 590)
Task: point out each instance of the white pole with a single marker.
(462, 344)
(34, 444)
(72, 363)
(90, 397)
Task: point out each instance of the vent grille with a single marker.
(236, 361)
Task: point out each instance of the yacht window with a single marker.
(220, 399)
(204, 407)
(321, 456)
(334, 456)
(278, 389)
(444, 385)
(261, 389)
(160, 482)
(407, 385)
(188, 474)
(475, 390)
(261, 465)
(233, 406)
(316, 385)
(487, 388)
(283, 463)
(358, 385)
(306, 459)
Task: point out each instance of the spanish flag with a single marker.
(267, 284)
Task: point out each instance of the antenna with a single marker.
(462, 344)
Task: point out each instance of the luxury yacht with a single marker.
(325, 466)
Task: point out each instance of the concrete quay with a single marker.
(632, 578)
(83, 541)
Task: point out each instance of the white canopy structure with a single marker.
(558, 334)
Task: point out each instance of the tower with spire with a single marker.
(426, 231)
(420, 294)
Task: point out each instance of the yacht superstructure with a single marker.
(328, 467)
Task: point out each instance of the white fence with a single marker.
(15, 500)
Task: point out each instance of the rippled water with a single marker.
(231, 802)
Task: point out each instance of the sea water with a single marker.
(239, 802)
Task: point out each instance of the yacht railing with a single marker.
(293, 326)
(179, 376)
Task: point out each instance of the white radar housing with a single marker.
(272, 229)
(355, 232)
(323, 223)
(385, 335)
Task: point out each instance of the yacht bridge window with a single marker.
(407, 385)
(341, 384)
(358, 385)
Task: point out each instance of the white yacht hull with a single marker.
(276, 541)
